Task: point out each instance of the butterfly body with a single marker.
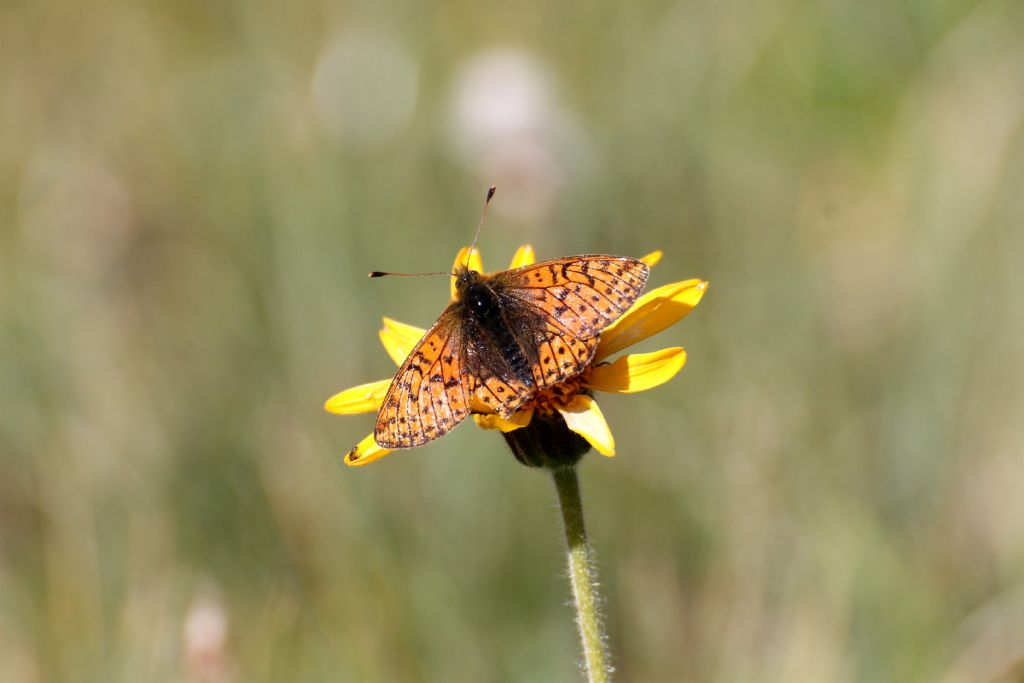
(503, 337)
(491, 323)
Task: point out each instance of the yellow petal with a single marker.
(652, 313)
(652, 259)
(475, 263)
(366, 452)
(638, 371)
(362, 399)
(584, 417)
(399, 339)
(524, 256)
(518, 420)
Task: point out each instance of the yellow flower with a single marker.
(572, 398)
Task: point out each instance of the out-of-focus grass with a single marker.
(192, 194)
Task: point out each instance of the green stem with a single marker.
(581, 572)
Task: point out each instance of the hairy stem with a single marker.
(582, 575)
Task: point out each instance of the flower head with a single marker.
(570, 401)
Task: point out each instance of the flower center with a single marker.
(547, 401)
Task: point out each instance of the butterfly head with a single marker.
(465, 279)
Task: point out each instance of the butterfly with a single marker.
(503, 337)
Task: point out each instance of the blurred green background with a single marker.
(191, 194)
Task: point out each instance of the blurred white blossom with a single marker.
(508, 126)
(205, 633)
(364, 89)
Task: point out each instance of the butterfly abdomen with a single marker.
(484, 311)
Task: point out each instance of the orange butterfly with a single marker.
(505, 336)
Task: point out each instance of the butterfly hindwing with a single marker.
(561, 356)
(502, 395)
(551, 352)
(427, 397)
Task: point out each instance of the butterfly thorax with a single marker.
(480, 302)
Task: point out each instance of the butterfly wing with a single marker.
(427, 397)
(499, 375)
(573, 299)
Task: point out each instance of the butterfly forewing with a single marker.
(580, 295)
(427, 397)
(577, 298)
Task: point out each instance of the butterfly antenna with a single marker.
(483, 215)
(381, 273)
